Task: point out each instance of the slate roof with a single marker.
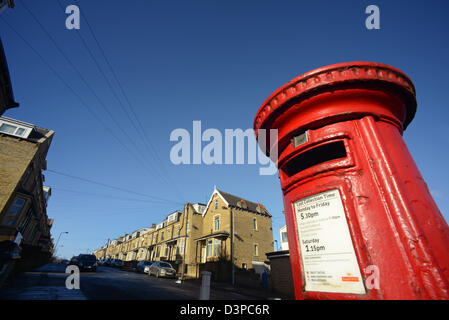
(236, 201)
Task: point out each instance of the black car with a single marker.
(140, 267)
(87, 262)
(74, 260)
(117, 263)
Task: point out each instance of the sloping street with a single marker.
(48, 283)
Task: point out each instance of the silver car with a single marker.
(162, 269)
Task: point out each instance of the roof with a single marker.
(6, 93)
(239, 202)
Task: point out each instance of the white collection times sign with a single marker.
(327, 253)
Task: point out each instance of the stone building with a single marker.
(226, 234)
(23, 195)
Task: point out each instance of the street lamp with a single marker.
(56, 246)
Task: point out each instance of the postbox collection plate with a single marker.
(327, 253)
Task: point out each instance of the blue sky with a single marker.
(214, 61)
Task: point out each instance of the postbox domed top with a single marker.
(333, 77)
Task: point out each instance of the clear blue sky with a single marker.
(214, 61)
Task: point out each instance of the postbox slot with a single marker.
(315, 156)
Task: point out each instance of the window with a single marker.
(27, 220)
(16, 206)
(162, 236)
(217, 223)
(216, 204)
(217, 245)
(166, 250)
(255, 224)
(172, 217)
(177, 231)
(244, 266)
(168, 234)
(15, 130)
(7, 128)
(20, 131)
(209, 248)
(158, 251)
(213, 248)
(181, 246)
(256, 250)
(284, 237)
(188, 227)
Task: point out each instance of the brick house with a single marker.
(226, 234)
(23, 195)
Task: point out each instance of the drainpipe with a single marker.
(232, 247)
(186, 213)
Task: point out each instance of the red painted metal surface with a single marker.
(393, 220)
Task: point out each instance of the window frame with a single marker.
(26, 130)
(9, 213)
(216, 220)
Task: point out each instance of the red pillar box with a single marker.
(360, 219)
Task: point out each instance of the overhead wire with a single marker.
(107, 196)
(114, 93)
(89, 110)
(140, 129)
(83, 79)
(111, 186)
(70, 87)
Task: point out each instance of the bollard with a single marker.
(361, 222)
(205, 285)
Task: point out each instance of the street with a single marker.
(48, 283)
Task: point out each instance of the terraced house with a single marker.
(225, 234)
(23, 195)
(24, 224)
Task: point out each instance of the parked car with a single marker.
(142, 265)
(162, 269)
(74, 260)
(87, 262)
(116, 263)
(146, 269)
(107, 262)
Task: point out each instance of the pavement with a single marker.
(48, 283)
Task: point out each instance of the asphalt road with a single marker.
(48, 283)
